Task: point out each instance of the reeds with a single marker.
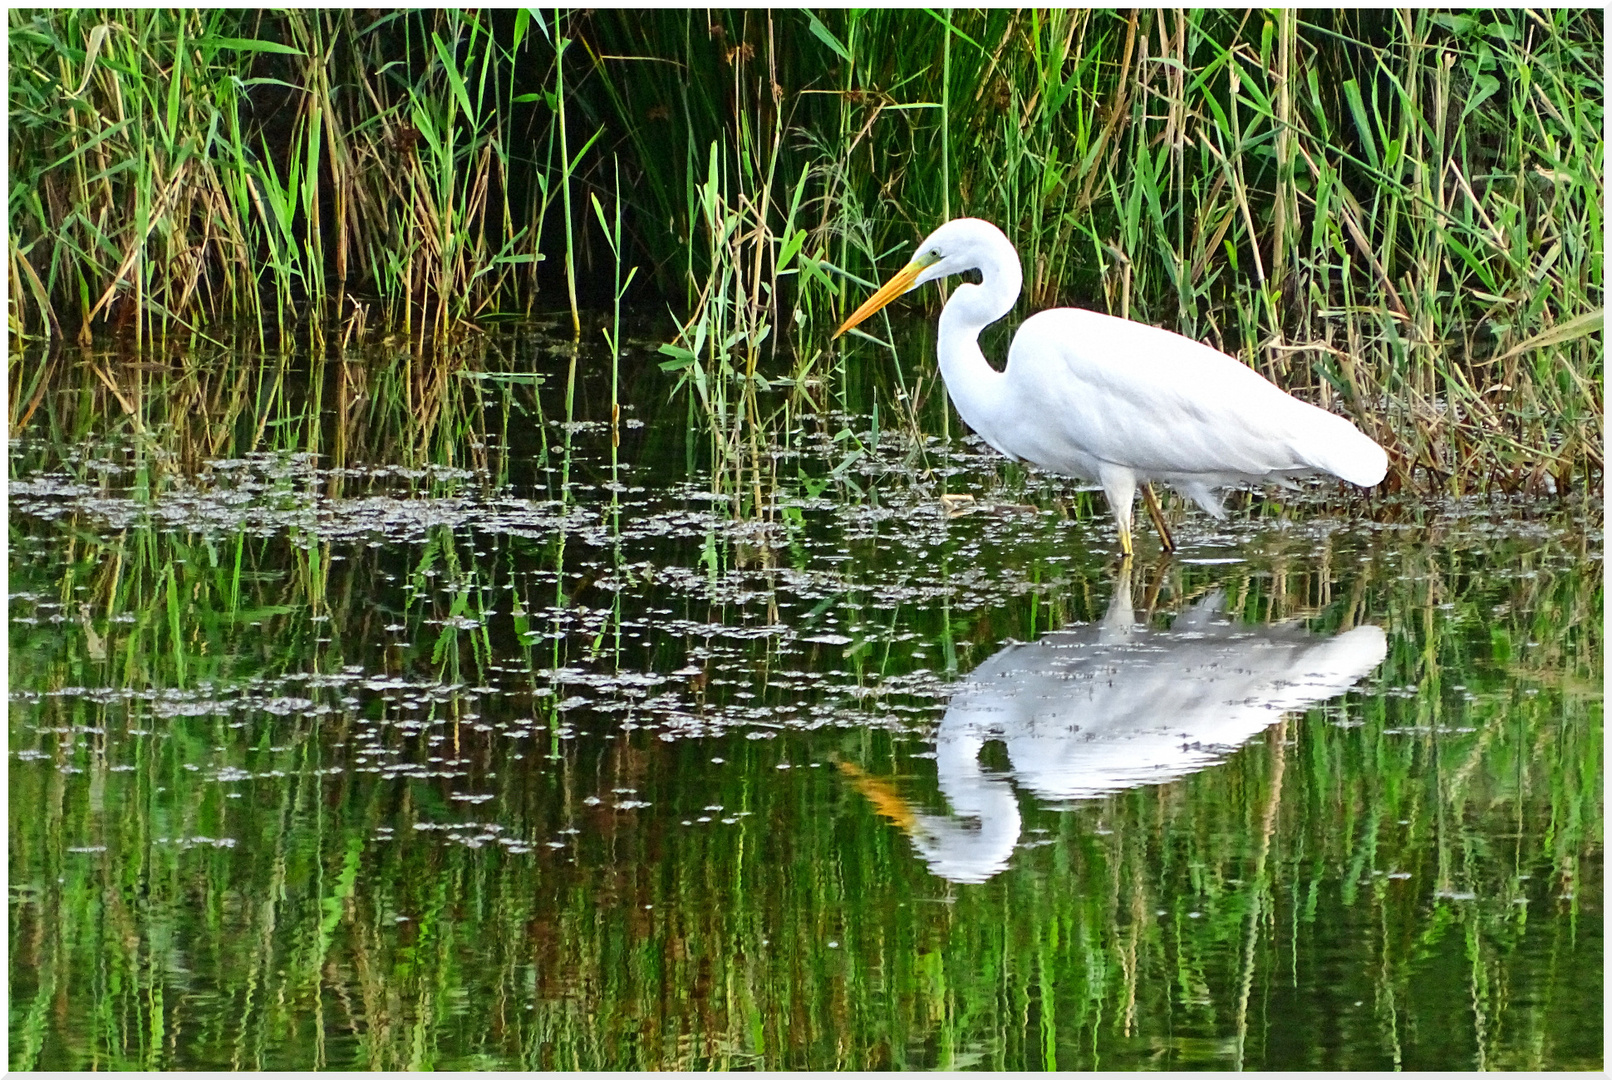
(192, 167)
(1397, 214)
(1294, 188)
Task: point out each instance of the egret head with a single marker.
(959, 245)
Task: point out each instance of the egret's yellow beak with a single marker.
(889, 291)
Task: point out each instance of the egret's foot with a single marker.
(1157, 515)
(1126, 552)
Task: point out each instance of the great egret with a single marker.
(1093, 710)
(1105, 399)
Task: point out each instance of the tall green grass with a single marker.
(1397, 214)
(191, 167)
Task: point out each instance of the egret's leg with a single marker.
(1119, 485)
(1150, 600)
(1120, 619)
(1153, 510)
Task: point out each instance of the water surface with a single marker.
(344, 736)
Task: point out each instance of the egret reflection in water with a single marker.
(1102, 708)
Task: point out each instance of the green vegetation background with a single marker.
(1396, 212)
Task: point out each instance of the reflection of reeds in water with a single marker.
(376, 404)
(1449, 816)
(332, 934)
(669, 946)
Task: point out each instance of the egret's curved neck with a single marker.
(974, 385)
(977, 839)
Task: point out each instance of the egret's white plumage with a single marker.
(1118, 402)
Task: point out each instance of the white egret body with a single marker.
(1105, 399)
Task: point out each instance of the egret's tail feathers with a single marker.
(1342, 450)
(1200, 494)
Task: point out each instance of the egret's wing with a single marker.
(1157, 402)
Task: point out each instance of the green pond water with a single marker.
(341, 739)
